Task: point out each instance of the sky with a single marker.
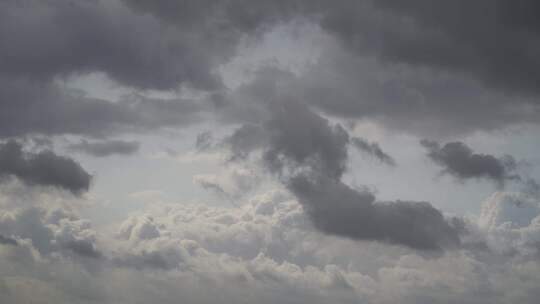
(269, 151)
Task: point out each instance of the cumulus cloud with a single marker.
(266, 246)
(460, 161)
(43, 168)
(106, 147)
(511, 224)
(50, 224)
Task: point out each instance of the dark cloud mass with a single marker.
(45, 39)
(43, 168)
(310, 156)
(105, 148)
(460, 161)
(337, 209)
(440, 67)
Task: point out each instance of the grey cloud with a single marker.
(47, 41)
(460, 161)
(337, 209)
(373, 149)
(420, 33)
(233, 183)
(494, 41)
(150, 260)
(4, 240)
(299, 138)
(531, 187)
(434, 67)
(309, 155)
(60, 38)
(245, 139)
(212, 185)
(50, 231)
(416, 67)
(106, 148)
(28, 107)
(43, 168)
(397, 64)
(511, 25)
(204, 141)
(84, 248)
(406, 98)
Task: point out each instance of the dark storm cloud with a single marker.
(440, 67)
(27, 107)
(299, 138)
(245, 139)
(421, 66)
(337, 209)
(309, 155)
(43, 168)
(494, 41)
(460, 161)
(106, 147)
(373, 149)
(45, 39)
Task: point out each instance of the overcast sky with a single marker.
(269, 151)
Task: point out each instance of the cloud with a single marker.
(204, 141)
(373, 150)
(340, 210)
(135, 49)
(193, 252)
(432, 69)
(4, 240)
(309, 156)
(510, 223)
(460, 161)
(394, 64)
(42, 168)
(28, 107)
(51, 231)
(106, 147)
(245, 139)
(232, 183)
